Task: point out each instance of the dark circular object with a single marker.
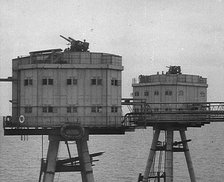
(72, 132)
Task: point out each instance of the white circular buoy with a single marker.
(8, 119)
(21, 119)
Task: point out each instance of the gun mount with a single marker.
(76, 45)
(174, 70)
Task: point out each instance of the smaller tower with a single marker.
(173, 87)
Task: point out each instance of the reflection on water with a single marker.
(124, 158)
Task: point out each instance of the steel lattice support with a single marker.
(53, 165)
(169, 149)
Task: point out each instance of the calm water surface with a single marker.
(124, 158)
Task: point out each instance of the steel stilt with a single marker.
(169, 155)
(51, 159)
(187, 156)
(151, 155)
(85, 161)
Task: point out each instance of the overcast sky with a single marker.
(148, 34)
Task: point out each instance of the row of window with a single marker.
(71, 81)
(168, 93)
(70, 109)
(146, 93)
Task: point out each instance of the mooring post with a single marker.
(51, 158)
(151, 155)
(187, 156)
(84, 158)
(169, 155)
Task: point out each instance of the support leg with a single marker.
(187, 156)
(51, 159)
(151, 155)
(169, 156)
(84, 158)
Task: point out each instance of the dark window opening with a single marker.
(96, 109)
(48, 109)
(50, 81)
(93, 81)
(156, 92)
(146, 93)
(168, 92)
(114, 109)
(72, 109)
(44, 109)
(136, 93)
(44, 81)
(69, 81)
(97, 81)
(28, 81)
(25, 82)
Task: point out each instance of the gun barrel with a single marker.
(71, 39)
(65, 38)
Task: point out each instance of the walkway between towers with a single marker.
(169, 117)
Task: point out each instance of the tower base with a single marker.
(82, 163)
(169, 147)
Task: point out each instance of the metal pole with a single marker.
(151, 155)
(169, 155)
(85, 161)
(51, 159)
(187, 156)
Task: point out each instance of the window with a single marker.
(156, 92)
(136, 93)
(28, 109)
(168, 109)
(99, 81)
(114, 109)
(48, 81)
(146, 93)
(48, 109)
(136, 110)
(75, 81)
(168, 92)
(72, 81)
(96, 109)
(202, 94)
(44, 81)
(44, 109)
(93, 81)
(115, 82)
(69, 81)
(72, 109)
(96, 81)
(28, 81)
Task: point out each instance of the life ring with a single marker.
(21, 119)
(8, 119)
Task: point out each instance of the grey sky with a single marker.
(149, 35)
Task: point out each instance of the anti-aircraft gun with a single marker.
(77, 45)
(174, 70)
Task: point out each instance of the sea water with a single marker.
(124, 158)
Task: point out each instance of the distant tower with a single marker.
(172, 87)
